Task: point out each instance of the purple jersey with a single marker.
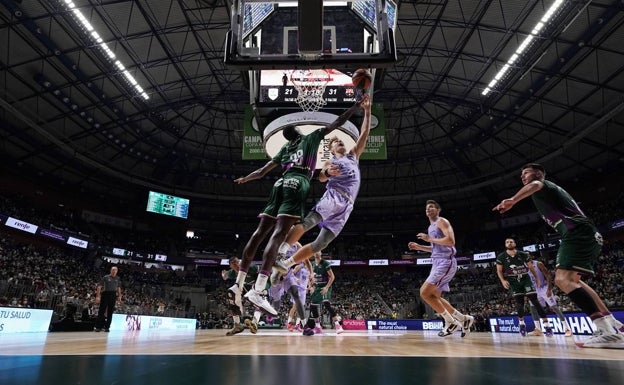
(439, 251)
(348, 182)
(543, 281)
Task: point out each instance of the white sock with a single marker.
(236, 319)
(261, 282)
(459, 316)
(240, 279)
(448, 317)
(283, 248)
(256, 316)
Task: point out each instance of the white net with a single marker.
(310, 85)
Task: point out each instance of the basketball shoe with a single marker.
(466, 325)
(279, 264)
(523, 331)
(261, 301)
(238, 328)
(252, 325)
(602, 340)
(449, 328)
(535, 332)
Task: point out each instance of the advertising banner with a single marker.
(376, 147)
(21, 225)
(579, 323)
(20, 320)
(131, 322)
(253, 146)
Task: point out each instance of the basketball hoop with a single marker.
(310, 85)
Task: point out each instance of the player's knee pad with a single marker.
(314, 310)
(231, 304)
(327, 305)
(311, 220)
(322, 241)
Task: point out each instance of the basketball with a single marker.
(362, 79)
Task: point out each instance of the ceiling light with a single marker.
(523, 46)
(104, 47)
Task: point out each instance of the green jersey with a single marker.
(558, 208)
(299, 156)
(321, 276)
(513, 265)
(252, 273)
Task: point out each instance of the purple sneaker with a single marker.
(549, 332)
(308, 331)
(523, 331)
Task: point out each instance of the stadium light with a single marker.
(523, 46)
(104, 47)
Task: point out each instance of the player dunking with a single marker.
(342, 174)
(286, 202)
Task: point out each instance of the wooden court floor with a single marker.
(274, 357)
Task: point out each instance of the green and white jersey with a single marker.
(299, 156)
(513, 265)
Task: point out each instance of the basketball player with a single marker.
(321, 296)
(290, 284)
(442, 239)
(513, 267)
(545, 297)
(286, 202)
(580, 246)
(342, 174)
(235, 308)
(302, 273)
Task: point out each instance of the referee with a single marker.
(108, 292)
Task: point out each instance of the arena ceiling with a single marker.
(69, 117)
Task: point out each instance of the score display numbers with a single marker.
(167, 205)
(276, 88)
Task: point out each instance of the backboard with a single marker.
(304, 34)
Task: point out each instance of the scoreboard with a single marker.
(277, 89)
(160, 203)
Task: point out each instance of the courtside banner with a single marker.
(21, 225)
(21, 320)
(353, 324)
(579, 323)
(404, 324)
(131, 322)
